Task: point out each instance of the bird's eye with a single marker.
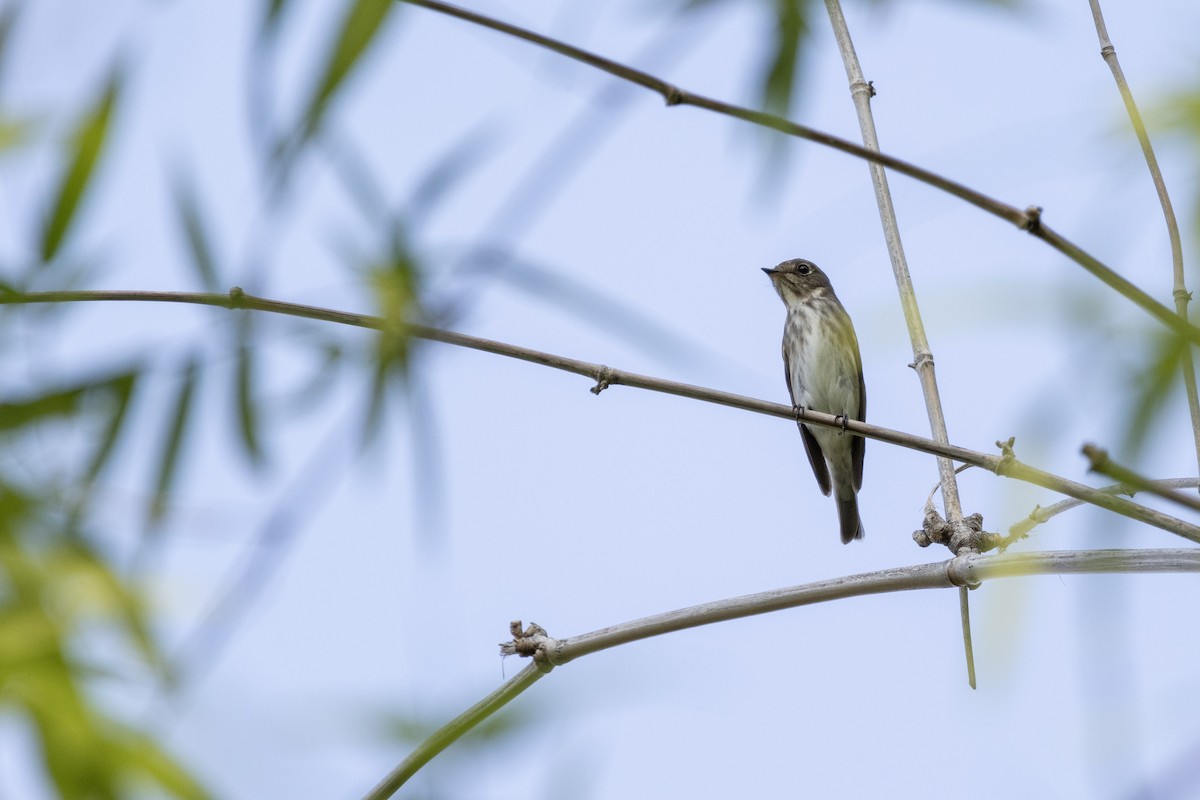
(803, 268)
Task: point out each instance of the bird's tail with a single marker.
(851, 522)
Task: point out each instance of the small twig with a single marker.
(1006, 466)
(1182, 296)
(1098, 461)
(673, 96)
(970, 570)
(1039, 515)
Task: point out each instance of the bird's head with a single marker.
(797, 280)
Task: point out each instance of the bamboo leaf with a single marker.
(86, 147)
(779, 80)
(57, 403)
(195, 231)
(1153, 387)
(249, 424)
(122, 388)
(172, 451)
(362, 23)
(272, 19)
(8, 21)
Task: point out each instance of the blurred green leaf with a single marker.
(86, 146)
(102, 592)
(395, 286)
(8, 21)
(62, 401)
(146, 760)
(57, 403)
(790, 31)
(195, 230)
(272, 19)
(172, 451)
(362, 23)
(249, 425)
(121, 388)
(15, 132)
(1150, 389)
(55, 588)
(1179, 113)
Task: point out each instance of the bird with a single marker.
(823, 368)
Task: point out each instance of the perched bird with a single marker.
(824, 373)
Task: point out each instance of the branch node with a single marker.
(863, 86)
(1182, 294)
(605, 377)
(1033, 219)
(924, 360)
(1007, 456)
(532, 642)
(934, 529)
(960, 573)
(673, 96)
(1107, 50)
(237, 297)
(1097, 457)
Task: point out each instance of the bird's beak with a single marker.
(769, 270)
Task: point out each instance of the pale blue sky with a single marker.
(578, 511)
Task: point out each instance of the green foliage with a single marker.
(173, 441)
(361, 24)
(195, 231)
(87, 144)
(245, 396)
(394, 284)
(1151, 388)
(54, 589)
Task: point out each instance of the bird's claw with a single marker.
(843, 420)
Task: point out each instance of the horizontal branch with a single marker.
(1029, 220)
(970, 570)
(1006, 465)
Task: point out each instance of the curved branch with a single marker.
(1109, 53)
(1027, 220)
(970, 570)
(1006, 465)
(454, 730)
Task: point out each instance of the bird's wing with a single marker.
(859, 445)
(816, 458)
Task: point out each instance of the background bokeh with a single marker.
(325, 602)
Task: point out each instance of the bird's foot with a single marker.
(843, 420)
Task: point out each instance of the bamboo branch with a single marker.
(1029, 220)
(970, 570)
(1005, 464)
(1098, 461)
(964, 539)
(1181, 294)
(861, 92)
(454, 730)
(1040, 515)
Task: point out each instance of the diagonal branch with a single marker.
(971, 570)
(1098, 461)
(1040, 515)
(1006, 464)
(1028, 220)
